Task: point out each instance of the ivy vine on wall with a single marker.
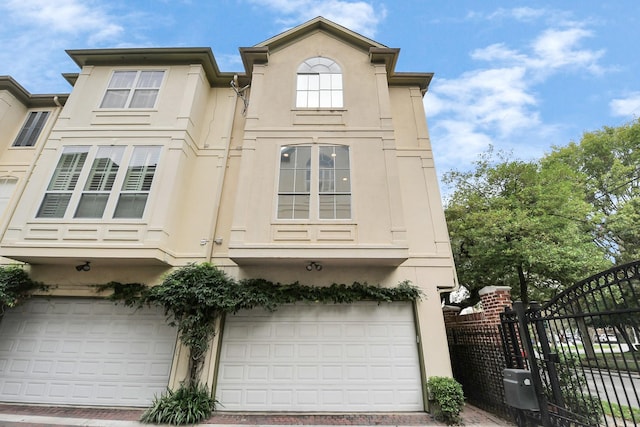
(15, 286)
(196, 296)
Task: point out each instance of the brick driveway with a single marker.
(43, 416)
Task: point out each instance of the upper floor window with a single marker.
(314, 182)
(7, 185)
(31, 129)
(133, 89)
(319, 84)
(99, 194)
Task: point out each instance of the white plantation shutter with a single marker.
(137, 182)
(63, 182)
(100, 182)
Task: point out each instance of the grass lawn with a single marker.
(618, 411)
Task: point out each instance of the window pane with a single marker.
(325, 99)
(325, 81)
(67, 172)
(54, 205)
(104, 169)
(293, 207)
(150, 79)
(303, 82)
(131, 205)
(301, 99)
(343, 206)
(313, 100)
(314, 82)
(31, 129)
(343, 185)
(301, 207)
(115, 99)
(327, 205)
(287, 183)
(285, 206)
(303, 157)
(92, 205)
(144, 98)
(326, 181)
(335, 206)
(341, 156)
(141, 169)
(336, 81)
(122, 79)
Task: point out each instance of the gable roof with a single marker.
(378, 53)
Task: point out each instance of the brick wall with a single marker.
(475, 345)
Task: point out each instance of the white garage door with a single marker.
(83, 352)
(347, 357)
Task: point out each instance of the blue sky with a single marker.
(522, 76)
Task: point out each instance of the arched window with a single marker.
(319, 84)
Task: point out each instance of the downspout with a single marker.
(212, 364)
(228, 133)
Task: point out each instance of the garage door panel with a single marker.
(361, 357)
(84, 351)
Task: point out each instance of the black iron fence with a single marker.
(583, 351)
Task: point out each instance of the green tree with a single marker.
(520, 224)
(608, 162)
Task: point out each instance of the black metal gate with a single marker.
(582, 349)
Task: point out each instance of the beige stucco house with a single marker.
(313, 164)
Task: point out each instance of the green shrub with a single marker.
(448, 397)
(15, 286)
(187, 405)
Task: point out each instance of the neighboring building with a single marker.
(317, 155)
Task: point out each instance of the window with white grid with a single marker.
(133, 89)
(319, 84)
(314, 182)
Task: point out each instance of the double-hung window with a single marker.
(133, 89)
(319, 84)
(314, 182)
(31, 129)
(104, 181)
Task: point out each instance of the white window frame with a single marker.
(129, 89)
(31, 129)
(82, 180)
(7, 187)
(322, 185)
(319, 84)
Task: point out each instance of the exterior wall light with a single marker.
(84, 267)
(313, 265)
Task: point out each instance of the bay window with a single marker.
(108, 189)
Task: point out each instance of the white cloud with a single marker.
(628, 106)
(66, 16)
(499, 105)
(554, 49)
(359, 16)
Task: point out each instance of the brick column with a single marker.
(494, 299)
